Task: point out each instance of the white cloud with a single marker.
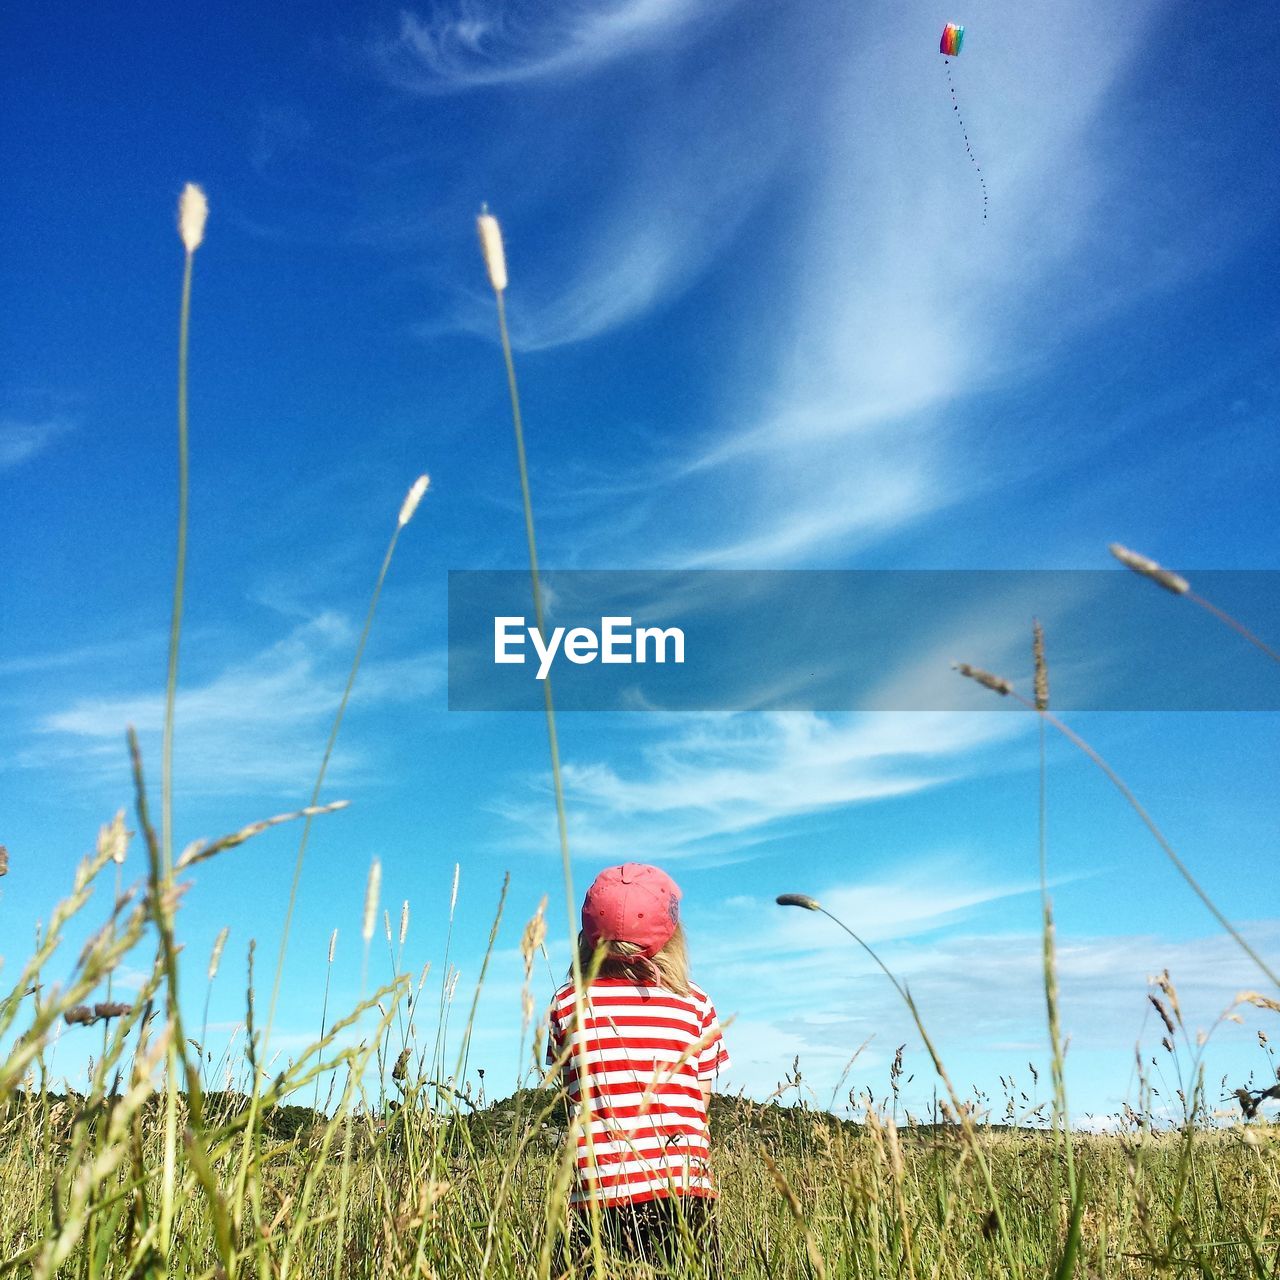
(719, 784)
(259, 721)
(634, 264)
(626, 219)
(22, 441)
(842, 416)
(647, 222)
(877, 301)
(469, 44)
(80, 656)
(904, 301)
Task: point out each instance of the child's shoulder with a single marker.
(602, 990)
(699, 997)
(563, 997)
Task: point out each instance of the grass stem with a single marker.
(491, 242)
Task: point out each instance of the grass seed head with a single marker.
(193, 213)
(495, 260)
(4, 861)
(1165, 984)
(798, 900)
(372, 889)
(1163, 1012)
(1042, 668)
(534, 935)
(996, 684)
(333, 943)
(1169, 580)
(113, 839)
(1258, 1000)
(404, 921)
(412, 498)
(215, 957)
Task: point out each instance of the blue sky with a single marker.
(760, 323)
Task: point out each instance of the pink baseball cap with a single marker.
(633, 903)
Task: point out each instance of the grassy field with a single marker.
(399, 1174)
(439, 1189)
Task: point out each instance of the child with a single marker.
(650, 1053)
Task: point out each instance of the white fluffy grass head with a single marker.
(193, 213)
(412, 498)
(372, 890)
(495, 260)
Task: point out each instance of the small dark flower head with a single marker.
(798, 900)
(997, 684)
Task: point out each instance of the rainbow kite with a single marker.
(952, 40)
(949, 46)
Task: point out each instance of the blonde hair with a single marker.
(669, 968)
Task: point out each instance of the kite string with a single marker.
(955, 106)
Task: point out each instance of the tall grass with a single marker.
(494, 254)
(402, 1177)
(997, 684)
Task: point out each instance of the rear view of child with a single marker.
(639, 1073)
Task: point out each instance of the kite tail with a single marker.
(955, 107)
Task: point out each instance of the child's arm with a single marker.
(555, 1050)
(712, 1055)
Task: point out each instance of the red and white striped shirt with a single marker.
(648, 1053)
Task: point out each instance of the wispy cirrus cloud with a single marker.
(849, 412)
(635, 257)
(844, 409)
(715, 787)
(259, 721)
(846, 404)
(633, 262)
(647, 221)
(468, 44)
(68, 659)
(20, 441)
(640, 213)
(718, 786)
(906, 303)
